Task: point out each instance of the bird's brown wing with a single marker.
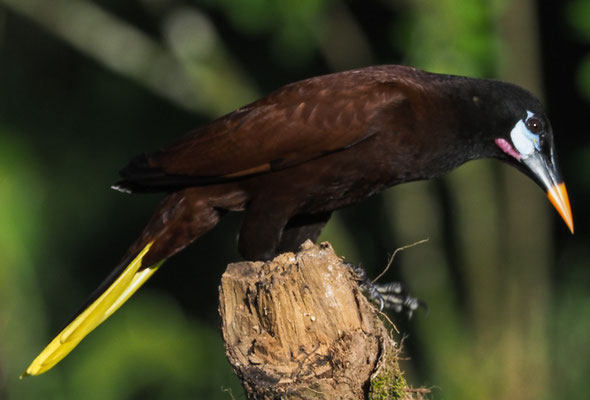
(295, 124)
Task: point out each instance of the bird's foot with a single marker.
(388, 296)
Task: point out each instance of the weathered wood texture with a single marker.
(297, 327)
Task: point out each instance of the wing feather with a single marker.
(297, 123)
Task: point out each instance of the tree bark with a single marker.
(298, 327)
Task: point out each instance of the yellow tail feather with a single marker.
(106, 304)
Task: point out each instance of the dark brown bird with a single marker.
(289, 159)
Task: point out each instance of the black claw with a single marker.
(391, 296)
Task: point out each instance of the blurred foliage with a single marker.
(85, 85)
(289, 24)
(450, 36)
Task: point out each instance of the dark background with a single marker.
(86, 85)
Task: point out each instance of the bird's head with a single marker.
(528, 145)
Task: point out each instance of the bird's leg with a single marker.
(301, 228)
(389, 296)
(259, 241)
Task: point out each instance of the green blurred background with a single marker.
(85, 85)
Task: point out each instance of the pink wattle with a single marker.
(507, 148)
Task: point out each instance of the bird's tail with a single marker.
(182, 217)
(119, 288)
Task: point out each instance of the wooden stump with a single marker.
(297, 327)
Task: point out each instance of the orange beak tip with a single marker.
(558, 196)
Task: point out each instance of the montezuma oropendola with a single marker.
(291, 158)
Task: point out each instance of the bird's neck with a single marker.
(453, 123)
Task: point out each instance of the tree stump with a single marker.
(298, 327)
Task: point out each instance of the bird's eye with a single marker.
(534, 125)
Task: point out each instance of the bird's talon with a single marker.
(390, 295)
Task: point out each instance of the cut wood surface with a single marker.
(298, 327)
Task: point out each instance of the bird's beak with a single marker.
(547, 175)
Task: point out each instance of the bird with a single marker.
(288, 160)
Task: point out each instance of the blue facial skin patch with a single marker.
(523, 139)
(536, 139)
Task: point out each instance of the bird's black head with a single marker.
(521, 135)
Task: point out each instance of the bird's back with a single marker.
(294, 124)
